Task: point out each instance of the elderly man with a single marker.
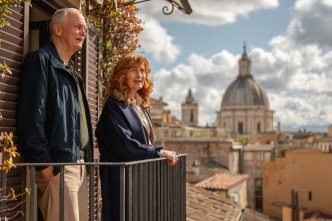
(54, 122)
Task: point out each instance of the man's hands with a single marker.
(170, 155)
(47, 173)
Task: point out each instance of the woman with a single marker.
(125, 131)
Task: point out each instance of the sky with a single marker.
(288, 41)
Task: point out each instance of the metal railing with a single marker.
(149, 189)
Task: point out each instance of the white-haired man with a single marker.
(54, 122)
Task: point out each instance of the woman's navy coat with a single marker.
(121, 138)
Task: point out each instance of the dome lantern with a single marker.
(244, 64)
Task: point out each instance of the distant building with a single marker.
(315, 215)
(254, 155)
(325, 143)
(158, 114)
(189, 110)
(168, 126)
(245, 106)
(205, 157)
(305, 169)
(232, 186)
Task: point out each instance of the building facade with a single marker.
(254, 155)
(305, 169)
(325, 143)
(245, 106)
(189, 110)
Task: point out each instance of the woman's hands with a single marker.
(170, 155)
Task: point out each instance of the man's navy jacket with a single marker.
(48, 110)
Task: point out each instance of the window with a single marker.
(258, 187)
(259, 194)
(259, 204)
(258, 127)
(260, 156)
(235, 197)
(310, 196)
(247, 155)
(240, 127)
(191, 116)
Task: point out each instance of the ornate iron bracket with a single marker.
(165, 9)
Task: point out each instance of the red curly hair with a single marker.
(116, 84)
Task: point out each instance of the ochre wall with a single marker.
(305, 169)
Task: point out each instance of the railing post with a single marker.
(92, 192)
(135, 192)
(158, 192)
(169, 192)
(32, 192)
(150, 191)
(62, 193)
(140, 192)
(154, 193)
(122, 193)
(182, 162)
(3, 193)
(145, 192)
(129, 193)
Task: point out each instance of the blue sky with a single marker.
(287, 42)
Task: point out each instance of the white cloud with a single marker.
(311, 22)
(208, 78)
(295, 80)
(296, 71)
(154, 39)
(210, 12)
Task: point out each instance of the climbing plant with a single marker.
(120, 30)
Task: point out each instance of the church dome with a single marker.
(245, 91)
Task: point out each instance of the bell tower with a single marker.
(189, 110)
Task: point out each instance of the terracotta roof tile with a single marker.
(222, 181)
(204, 205)
(258, 147)
(252, 215)
(318, 215)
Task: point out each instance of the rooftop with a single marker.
(204, 205)
(222, 181)
(258, 147)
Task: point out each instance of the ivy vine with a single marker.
(120, 30)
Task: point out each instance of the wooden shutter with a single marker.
(91, 72)
(91, 76)
(13, 48)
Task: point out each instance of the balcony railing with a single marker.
(149, 189)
